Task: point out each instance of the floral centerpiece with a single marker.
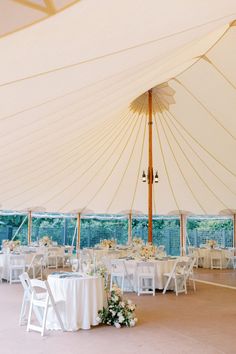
(107, 243)
(119, 312)
(98, 269)
(45, 241)
(148, 251)
(137, 242)
(11, 245)
(211, 243)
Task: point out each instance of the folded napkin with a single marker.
(72, 275)
(58, 273)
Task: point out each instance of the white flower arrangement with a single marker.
(11, 245)
(45, 241)
(148, 251)
(211, 243)
(98, 269)
(137, 242)
(107, 243)
(119, 312)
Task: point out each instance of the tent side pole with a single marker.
(29, 226)
(78, 232)
(130, 228)
(182, 234)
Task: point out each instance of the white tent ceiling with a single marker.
(18, 14)
(69, 138)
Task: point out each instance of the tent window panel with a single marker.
(202, 230)
(94, 230)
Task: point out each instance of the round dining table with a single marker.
(162, 266)
(79, 299)
(205, 253)
(5, 262)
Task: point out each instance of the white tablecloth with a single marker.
(161, 267)
(82, 298)
(206, 253)
(100, 253)
(5, 261)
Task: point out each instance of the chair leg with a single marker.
(44, 319)
(23, 310)
(166, 286)
(30, 314)
(185, 286)
(193, 281)
(176, 287)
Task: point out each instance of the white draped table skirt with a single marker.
(206, 253)
(79, 299)
(5, 263)
(161, 267)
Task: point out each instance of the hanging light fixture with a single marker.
(156, 177)
(146, 177)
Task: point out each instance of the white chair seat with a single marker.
(16, 267)
(178, 275)
(146, 278)
(216, 259)
(119, 273)
(25, 281)
(230, 257)
(36, 266)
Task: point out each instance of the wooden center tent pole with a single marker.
(150, 166)
(234, 222)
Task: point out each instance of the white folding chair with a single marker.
(36, 265)
(199, 259)
(75, 264)
(216, 259)
(189, 270)
(26, 283)
(145, 272)
(40, 287)
(52, 257)
(60, 254)
(85, 263)
(68, 254)
(119, 273)
(190, 250)
(178, 276)
(16, 267)
(231, 257)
